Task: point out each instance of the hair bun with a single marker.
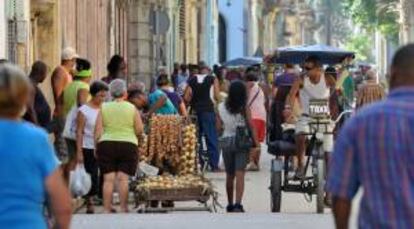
(82, 64)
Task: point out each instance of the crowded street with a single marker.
(201, 114)
(296, 211)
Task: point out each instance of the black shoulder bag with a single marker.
(244, 135)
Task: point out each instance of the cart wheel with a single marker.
(275, 191)
(320, 185)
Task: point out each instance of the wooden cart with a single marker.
(207, 199)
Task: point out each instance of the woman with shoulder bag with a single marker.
(237, 140)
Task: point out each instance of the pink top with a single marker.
(257, 106)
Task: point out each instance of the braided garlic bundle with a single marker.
(188, 160)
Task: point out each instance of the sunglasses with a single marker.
(308, 68)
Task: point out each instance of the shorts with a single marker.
(233, 160)
(302, 127)
(61, 149)
(259, 126)
(71, 149)
(116, 156)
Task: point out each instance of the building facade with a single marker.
(3, 30)
(232, 30)
(148, 33)
(188, 33)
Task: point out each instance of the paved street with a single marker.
(296, 211)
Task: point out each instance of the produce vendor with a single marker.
(157, 102)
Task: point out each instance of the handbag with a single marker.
(244, 137)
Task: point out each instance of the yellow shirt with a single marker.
(118, 122)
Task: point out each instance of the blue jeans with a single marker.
(207, 128)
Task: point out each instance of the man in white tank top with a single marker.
(314, 85)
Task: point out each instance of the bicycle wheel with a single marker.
(275, 191)
(320, 186)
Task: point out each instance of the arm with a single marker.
(290, 99)
(160, 103)
(216, 90)
(249, 122)
(98, 128)
(58, 84)
(183, 109)
(341, 209)
(31, 112)
(266, 91)
(80, 126)
(330, 81)
(83, 96)
(187, 94)
(60, 199)
(138, 126)
(274, 91)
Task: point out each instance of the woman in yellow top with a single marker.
(118, 126)
(74, 96)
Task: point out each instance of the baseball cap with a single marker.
(69, 53)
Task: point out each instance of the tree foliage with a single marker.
(361, 44)
(375, 14)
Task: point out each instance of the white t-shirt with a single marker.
(90, 115)
(230, 121)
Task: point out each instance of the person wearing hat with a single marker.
(61, 78)
(74, 96)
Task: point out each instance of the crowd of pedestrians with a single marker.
(99, 123)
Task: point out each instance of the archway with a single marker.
(222, 39)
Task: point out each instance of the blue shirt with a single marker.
(26, 160)
(285, 79)
(168, 107)
(375, 151)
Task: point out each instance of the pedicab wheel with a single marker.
(320, 185)
(276, 191)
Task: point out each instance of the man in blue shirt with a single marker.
(375, 151)
(157, 102)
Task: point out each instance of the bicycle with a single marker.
(285, 149)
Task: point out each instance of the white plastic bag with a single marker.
(69, 131)
(80, 181)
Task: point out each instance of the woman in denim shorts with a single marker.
(234, 113)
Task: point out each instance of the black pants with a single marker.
(91, 167)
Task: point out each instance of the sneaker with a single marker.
(252, 167)
(291, 175)
(238, 208)
(230, 208)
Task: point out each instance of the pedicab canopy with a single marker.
(244, 62)
(298, 54)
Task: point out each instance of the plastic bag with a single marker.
(80, 181)
(69, 131)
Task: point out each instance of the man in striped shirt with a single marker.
(375, 151)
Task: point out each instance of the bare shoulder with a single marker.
(58, 72)
(330, 81)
